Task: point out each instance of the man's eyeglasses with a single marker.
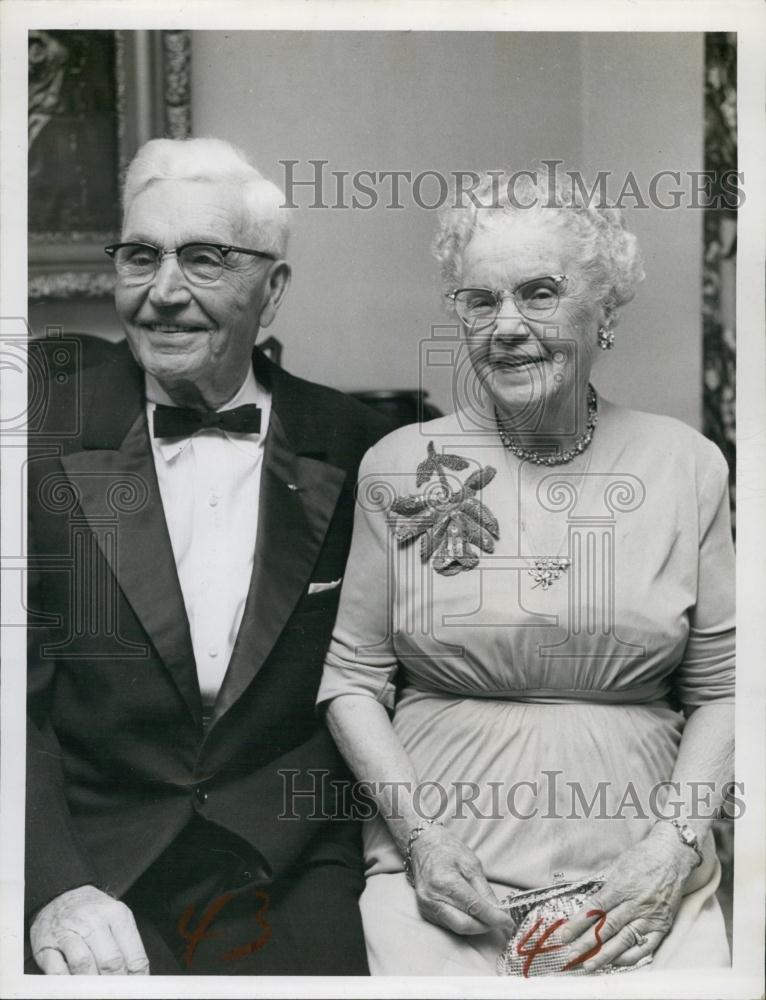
(200, 263)
(535, 299)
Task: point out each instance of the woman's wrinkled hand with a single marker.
(451, 888)
(635, 908)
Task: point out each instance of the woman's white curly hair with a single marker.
(608, 253)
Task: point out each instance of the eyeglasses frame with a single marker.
(224, 248)
(501, 294)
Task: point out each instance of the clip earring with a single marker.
(605, 338)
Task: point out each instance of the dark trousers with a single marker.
(203, 908)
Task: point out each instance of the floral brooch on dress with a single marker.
(448, 522)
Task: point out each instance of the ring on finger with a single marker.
(641, 939)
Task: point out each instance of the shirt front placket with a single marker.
(211, 615)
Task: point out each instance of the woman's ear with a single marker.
(607, 314)
(279, 280)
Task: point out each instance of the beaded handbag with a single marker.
(533, 949)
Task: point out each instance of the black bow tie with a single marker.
(175, 421)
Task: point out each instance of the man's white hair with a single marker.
(266, 221)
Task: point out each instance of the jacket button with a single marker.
(201, 795)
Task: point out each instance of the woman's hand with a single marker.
(451, 888)
(640, 897)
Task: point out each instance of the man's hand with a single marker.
(84, 932)
(640, 896)
(451, 888)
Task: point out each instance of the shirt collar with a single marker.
(249, 392)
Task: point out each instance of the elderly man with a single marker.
(187, 543)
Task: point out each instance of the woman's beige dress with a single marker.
(540, 720)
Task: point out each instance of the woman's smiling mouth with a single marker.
(515, 361)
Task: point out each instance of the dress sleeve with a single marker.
(706, 672)
(361, 657)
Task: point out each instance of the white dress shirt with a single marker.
(209, 484)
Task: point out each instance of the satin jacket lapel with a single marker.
(121, 483)
(298, 496)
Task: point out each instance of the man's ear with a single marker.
(279, 280)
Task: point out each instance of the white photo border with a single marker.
(748, 19)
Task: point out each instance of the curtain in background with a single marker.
(718, 296)
(719, 317)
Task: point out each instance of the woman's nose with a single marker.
(509, 323)
(169, 286)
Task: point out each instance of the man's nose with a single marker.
(169, 286)
(509, 323)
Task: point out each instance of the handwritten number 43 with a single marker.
(539, 946)
(202, 932)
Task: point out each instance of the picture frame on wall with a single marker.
(94, 97)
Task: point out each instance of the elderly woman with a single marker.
(540, 590)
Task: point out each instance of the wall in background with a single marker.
(365, 295)
(642, 101)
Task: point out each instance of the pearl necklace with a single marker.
(579, 446)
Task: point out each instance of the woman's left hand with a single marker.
(635, 908)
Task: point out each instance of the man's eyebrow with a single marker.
(182, 241)
(137, 238)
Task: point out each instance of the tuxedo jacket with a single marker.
(118, 758)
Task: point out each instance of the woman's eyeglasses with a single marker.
(535, 299)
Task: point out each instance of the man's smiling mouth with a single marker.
(174, 328)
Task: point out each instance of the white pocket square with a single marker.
(317, 588)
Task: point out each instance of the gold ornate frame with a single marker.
(153, 92)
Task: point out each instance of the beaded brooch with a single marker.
(451, 524)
